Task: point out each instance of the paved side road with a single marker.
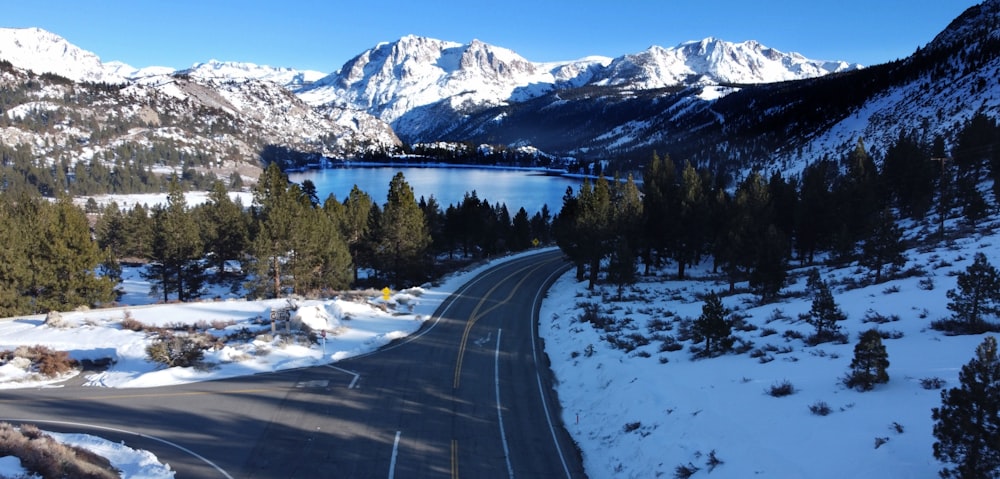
(469, 395)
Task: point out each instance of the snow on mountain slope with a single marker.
(220, 70)
(44, 52)
(713, 61)
(394, 78)
(410, 75)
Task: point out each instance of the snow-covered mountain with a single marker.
(392, 79)
(712, 61)
(412, 81)
(45, 52)
(224, 111)
(708, 100)
(220, 70)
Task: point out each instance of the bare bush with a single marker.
(781, 389)
(820, 408)
(43, 359)
(932, 383)
(181, 350)
(42, 455)
(132, 324)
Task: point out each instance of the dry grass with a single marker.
(46, 361)
(42, 455)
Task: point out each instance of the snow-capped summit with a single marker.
(44, 52)
(394, 78)
(714, 61)
(224, 70)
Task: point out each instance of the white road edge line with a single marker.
(395, 452)
(496, 383)
(354, 381)
(124, 431)
(538, 376)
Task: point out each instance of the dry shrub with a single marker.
(47, 361)
(132, 324)
(42, 455)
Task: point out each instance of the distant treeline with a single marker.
(289, 241)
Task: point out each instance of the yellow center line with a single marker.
(476, 314)
(454, 459)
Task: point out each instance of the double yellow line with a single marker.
(476, 314)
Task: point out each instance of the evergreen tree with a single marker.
(541, 226)
(978, 295)
(435, 223)
(627, 224)
(885, 246)
(869, 363)
(69, 259)
(110, 230)
(814, 214)
(621, 267)
(769, 271)
(138, 233)
(176, 251)
(224, 228)
(967, 425)
(521, 231)
(564, 231)
(15, 269)
(276, 215)
(404, 237)
(594, 226)
(357, 209)
(908, 175)
(713, 327)
(319, 262)
(659, 192)
(825, 314)
(690, 221)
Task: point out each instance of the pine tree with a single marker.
(404, 237)
(869, 363)
(967, 425)
(277, 208)
(110, 230)
(658, 203)
(224, 228)
(825, 315)
(978, 295)
(621, 267)
(885, 246)
(15, 264)
(713, 327)
(70, 258)
(357, 208)
(521, 231)
(176, 251)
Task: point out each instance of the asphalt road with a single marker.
(469, 395)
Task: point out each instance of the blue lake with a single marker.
(515, 188)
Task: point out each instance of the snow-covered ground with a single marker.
(639, 413)
(355, 326)
(647, 412)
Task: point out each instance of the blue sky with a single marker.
(322, 35)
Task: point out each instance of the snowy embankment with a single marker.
(356, 324)
(653, 411)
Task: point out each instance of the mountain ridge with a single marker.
(713, 102)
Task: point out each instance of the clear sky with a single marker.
(324, 34)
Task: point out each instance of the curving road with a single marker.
(469, 395)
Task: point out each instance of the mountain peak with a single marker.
(42, 51)
(712, 61)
